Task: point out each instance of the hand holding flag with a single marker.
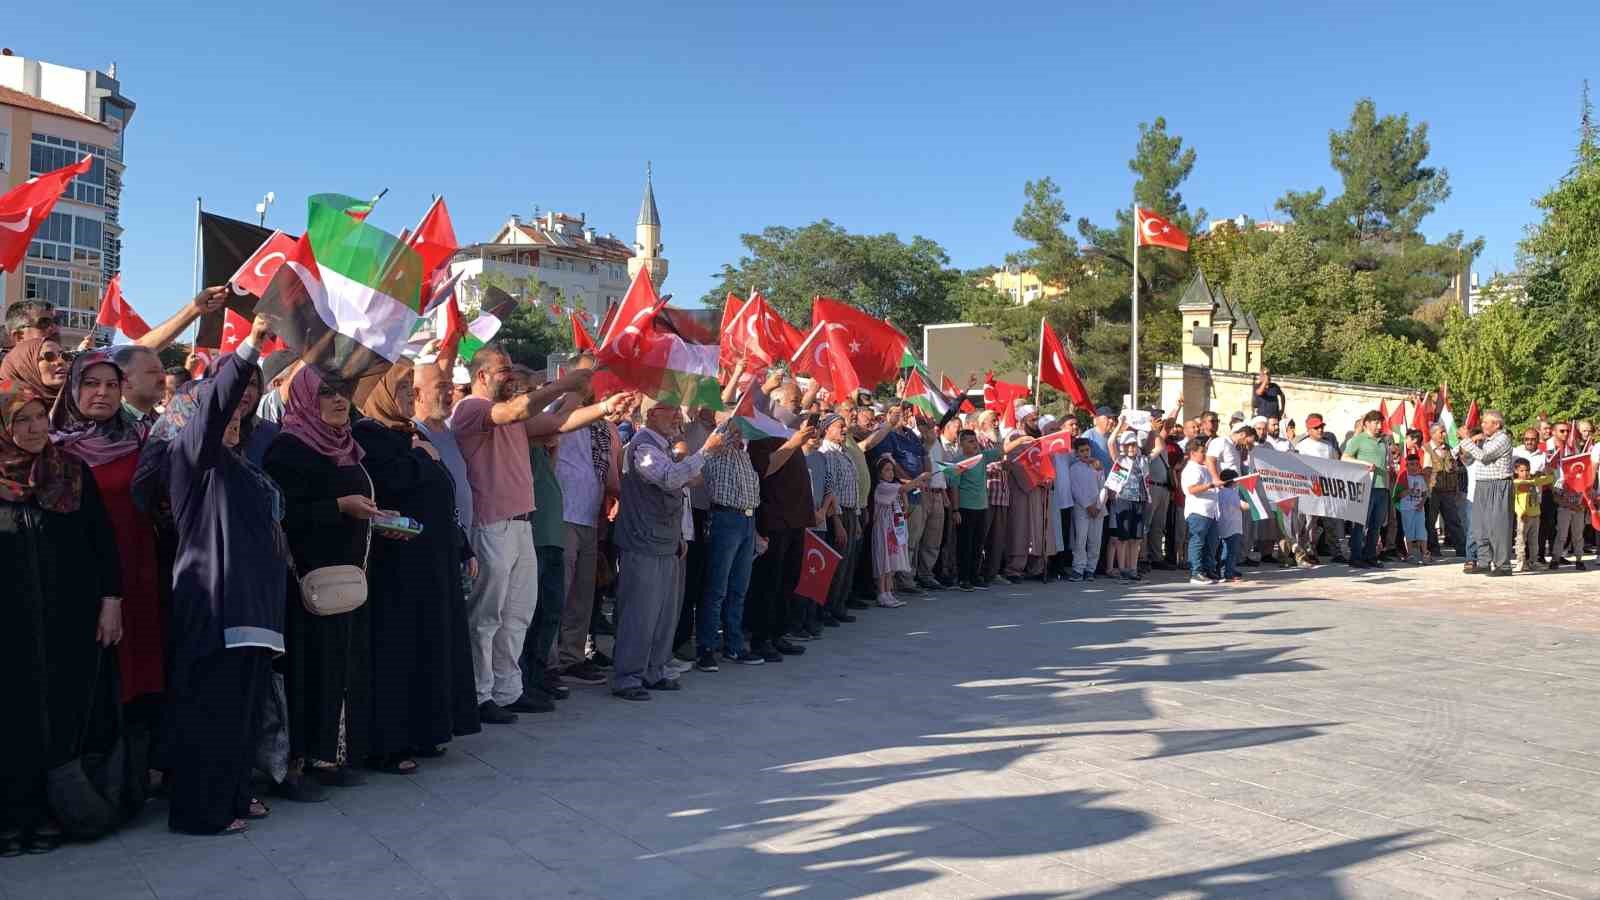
(116, 313)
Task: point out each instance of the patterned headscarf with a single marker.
(94, 442)
(50, 478)
(382, 404)
(302, 417)
(22, 365)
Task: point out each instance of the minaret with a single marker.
(647, 244)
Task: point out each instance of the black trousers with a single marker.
(1061, 561)
(969, 543)
(694, 577)
(772, 581)
(535, 657)
(214, 708)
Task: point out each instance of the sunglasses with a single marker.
(51, 356)
(326, 391)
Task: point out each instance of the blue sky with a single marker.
(914, 118)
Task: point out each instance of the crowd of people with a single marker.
(258, 584)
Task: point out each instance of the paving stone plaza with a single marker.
(1408, 733)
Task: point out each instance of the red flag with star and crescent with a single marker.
(822, 354)
(1056, 370)
(817, 564)
(116, 313)
(1156, 231)
(581, 340)
(757, 329)
(1035, 465)
(26, 206)
(1577, 473)
(997, 393)
(875, 347)
(235, 328)
(256, 273)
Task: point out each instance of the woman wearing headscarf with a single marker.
(415, 584)
(89, 422)
(62, 609)
(328, 502)
(38, 364)
(228, 579)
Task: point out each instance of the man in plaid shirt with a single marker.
(1490, 452)
(735, 493)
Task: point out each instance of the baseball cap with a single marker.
(1314, 421)
(1105, 411)
(1128, 437)
(1243, 427)
(827, 420)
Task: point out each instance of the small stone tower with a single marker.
(647, 246)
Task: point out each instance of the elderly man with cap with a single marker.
(1105, 418)
(1025, 528)
(649, 534)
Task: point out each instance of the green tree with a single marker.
(528, 335)
(1562, 251)
(906, 283)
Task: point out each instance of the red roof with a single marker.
(10, 97)
(602, 248)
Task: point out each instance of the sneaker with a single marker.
(815, 631)
(853, 603)
(600, 659)
(676, 667)
(829, 620)
(800, 634)
(746, 658)
(909, 589)
(1552, 565)
(1579, 566)
(928, 584)
(963, 586)
(554, 687)
(947, 583)
(768, 653)
(1073, 578)
(585, 672)
(1197, 579)
(890, 601)
(665, 684)
(685, 651)
(533, 702)
(633, 693)
(788, 648)
(491, 714)
(846, 618)
(1499, 573)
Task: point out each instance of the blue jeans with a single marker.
(1232, 547)
(1364, 541)
(1202, 545)
(732, 540)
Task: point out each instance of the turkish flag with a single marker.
(202, 358)
(235, 328)
(875, 347)
(1035, 465)
(26, 206)
(256, 272)
(581, 340)
(727, 355)
(1422, 419)
(632, 319)
(1473, 416)
(997, 393)
(116, 313)
(1156, 231)
(1055, 442)
(1008, 414)
(758, 330)
(817, 564)
(1056, 370)
(1577, 473)
(823, 355)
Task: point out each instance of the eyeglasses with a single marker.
(51, 356)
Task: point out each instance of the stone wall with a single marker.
(1341, 403)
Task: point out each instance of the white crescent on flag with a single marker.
(19, 225)
(814, 568)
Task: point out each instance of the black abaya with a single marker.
(58, 681)
(326, 661)
(414, 592)
(214, 710)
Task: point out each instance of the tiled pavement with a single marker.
(1406, 734)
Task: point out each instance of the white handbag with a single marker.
(336, 590)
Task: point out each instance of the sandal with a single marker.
(393, 764)
(258, 810)
(430, 752)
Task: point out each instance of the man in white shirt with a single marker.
(1318, 443)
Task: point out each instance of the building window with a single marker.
(67, 238)
(48, 153)
(5, 151)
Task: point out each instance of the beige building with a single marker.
(1217, 333)
(1022, 286)
(51, 116)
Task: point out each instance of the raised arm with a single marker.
(519, 409)
(200, 440)
(207, 301)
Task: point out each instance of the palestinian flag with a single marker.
(754, 424)
(349, 296)
(924, 397)
(670, 356)
(1448, 420)
(1249, 488)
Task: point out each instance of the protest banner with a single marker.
(1320, 487)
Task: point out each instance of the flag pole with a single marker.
(1038, 368)
(195, 334)
(1133, 343)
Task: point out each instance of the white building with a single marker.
(566, 258)
(50, 116)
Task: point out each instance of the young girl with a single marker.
(1230, 526)
(889, 551)
(1413, 522)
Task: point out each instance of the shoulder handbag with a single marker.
(336, 590)
(95, 791)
